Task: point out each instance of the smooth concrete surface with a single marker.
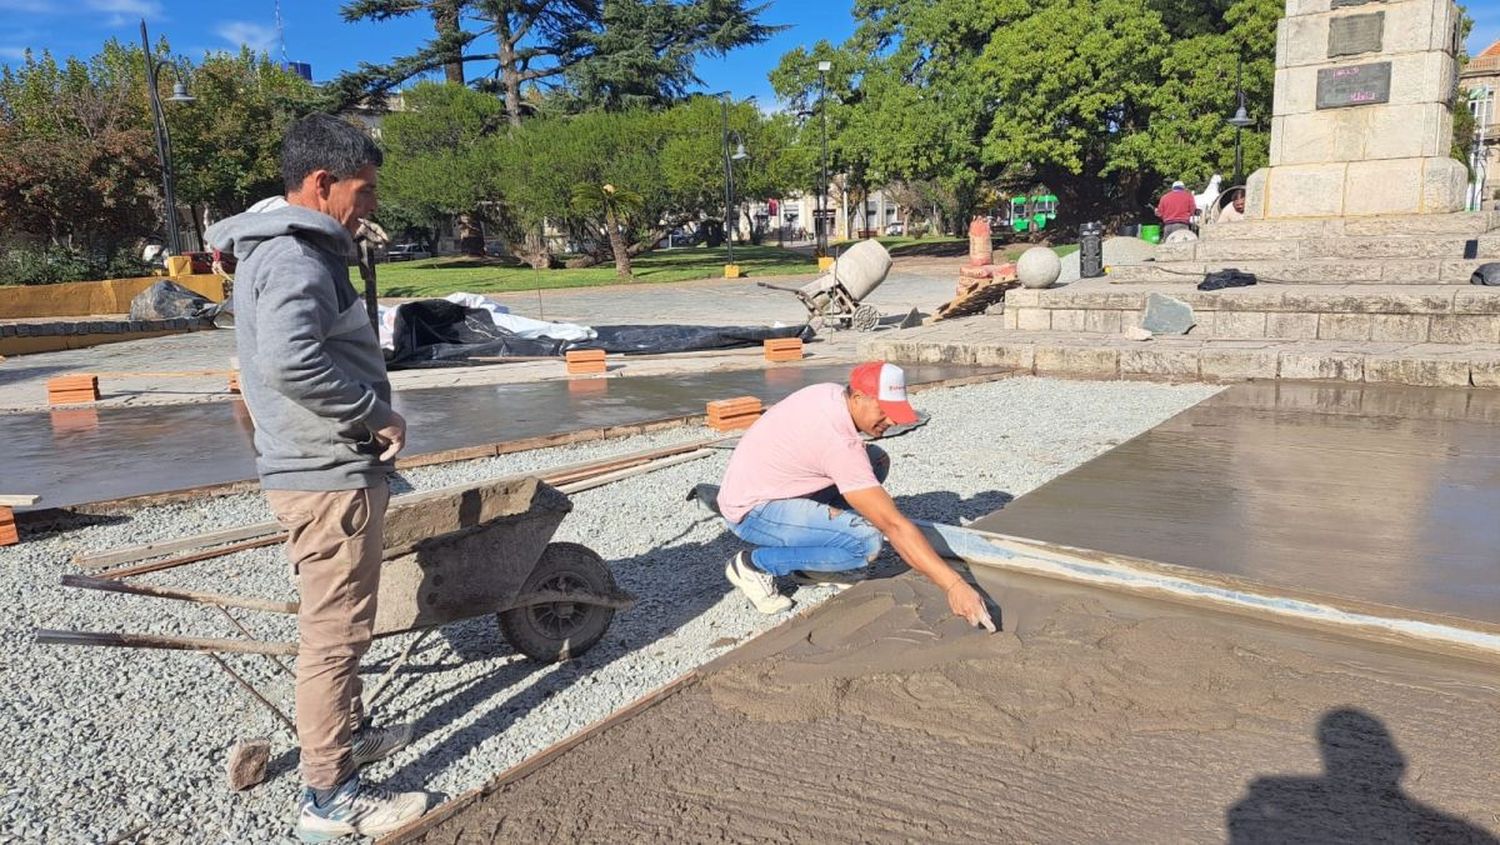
(75, 456)
(1386, 495)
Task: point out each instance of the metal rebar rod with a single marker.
(109, 585)
(243, 630)
(120, 639)
(400, 661)
(244, 684)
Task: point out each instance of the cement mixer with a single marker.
(833, 300)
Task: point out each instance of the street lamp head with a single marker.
(180, 94)
(1241, 118)
(824, 67)
(739, 152)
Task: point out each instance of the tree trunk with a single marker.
(445, 18)
(617, 243)
(510, 71)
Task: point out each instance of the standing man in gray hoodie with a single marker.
(313, 376)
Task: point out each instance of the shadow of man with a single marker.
(1358, 799)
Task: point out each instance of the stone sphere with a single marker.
(1038, 267)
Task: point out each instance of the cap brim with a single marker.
(901, 413)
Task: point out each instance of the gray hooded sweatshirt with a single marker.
(311, 369)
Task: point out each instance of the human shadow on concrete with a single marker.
(1358, 800)
(674, 586)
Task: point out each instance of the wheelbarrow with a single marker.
(835, 299)
(451, 554)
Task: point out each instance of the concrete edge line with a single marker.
(1098, 569)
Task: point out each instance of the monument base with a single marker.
(1426, 185)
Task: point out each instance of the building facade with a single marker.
(1481, 76)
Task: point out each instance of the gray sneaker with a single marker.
(356, 809)
(759, 587)
(371, 744)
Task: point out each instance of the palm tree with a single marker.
(616, 204)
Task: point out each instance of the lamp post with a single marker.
(738, 155)
(1240, 120)
(821, 223)
(163, 139)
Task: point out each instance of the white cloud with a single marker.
(36, 7)
(258, 37)
(12, 53)
(134, 8)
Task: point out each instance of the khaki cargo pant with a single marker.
(334, 542)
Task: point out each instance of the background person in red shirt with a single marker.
(1176, 209)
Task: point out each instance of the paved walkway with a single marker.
(917, 283)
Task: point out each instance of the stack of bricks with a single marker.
(73, 389)
(783, 349)
(734, 414)
(8, 534)
(585, 362)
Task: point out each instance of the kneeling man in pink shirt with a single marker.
(804, 488)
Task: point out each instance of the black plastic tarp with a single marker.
(167, 300)
(438, 333)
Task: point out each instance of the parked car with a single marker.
(895, 229)
(202, 263)
(407, 252)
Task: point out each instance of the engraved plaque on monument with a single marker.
(1351, 35)
(1339, 4)
(1357, 85)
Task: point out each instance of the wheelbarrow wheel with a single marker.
(866, 317)
(558, 631)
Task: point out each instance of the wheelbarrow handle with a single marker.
(778, 287)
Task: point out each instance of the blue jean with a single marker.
(804, 534)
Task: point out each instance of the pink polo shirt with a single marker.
(804, 443)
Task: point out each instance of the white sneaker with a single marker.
(371, 744)
(356, 809)
(759, 587)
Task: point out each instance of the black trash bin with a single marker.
(1091, 250)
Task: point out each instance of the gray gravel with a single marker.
(103, 742)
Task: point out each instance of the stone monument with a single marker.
(1361, 123)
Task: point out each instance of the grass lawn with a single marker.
(440, 276)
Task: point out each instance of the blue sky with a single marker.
(314, 32)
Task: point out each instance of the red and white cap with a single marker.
(887, 383)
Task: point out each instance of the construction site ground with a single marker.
(103, 744)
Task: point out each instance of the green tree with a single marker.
(1102, 101)
(77, 163)
(436, 158)
(226, 145)
(618, 52)
(616, 206)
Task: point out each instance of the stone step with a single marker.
(1417, 313)
(1395, 271)
(1480, 248)
(983, 341)
(1462, 225)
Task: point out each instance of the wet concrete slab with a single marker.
(75, 456)
(1378, 494)
(1092, 717)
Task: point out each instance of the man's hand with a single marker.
(393, 435)
(964, 601)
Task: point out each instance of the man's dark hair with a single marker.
(323, 142)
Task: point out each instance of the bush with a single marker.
(47, 265)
